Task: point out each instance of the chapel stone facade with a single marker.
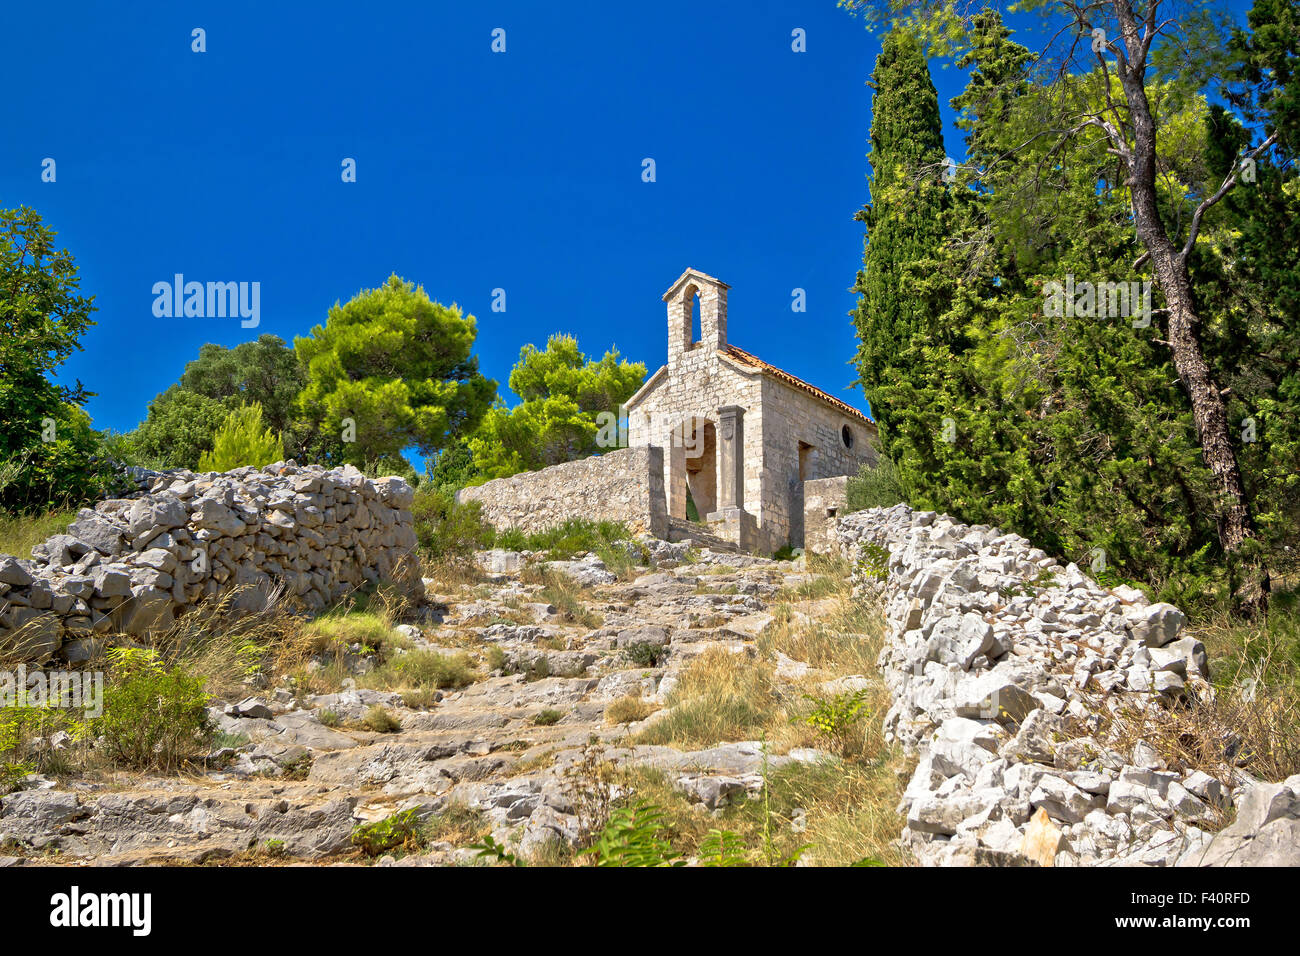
(740, 436)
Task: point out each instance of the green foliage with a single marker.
(399, 367)
(155, 716)
(875, 486)
(1268, 66)
(241, 440)
(874, 561)
(380, 720)
(25, 730)
(562, 392)
(445, 528)
(547, 716)
(837, 718)
(263, 372)
(632, 837)
(431, 669)
(722, 848)
(48, 453)
(645, 654)
(901, 292)
(20, 533)
(489, 849)
(338, 629)
(183, 421)
(1072, 430)
(454, 468)
(179, 429)
(402, 830)
(570, 537)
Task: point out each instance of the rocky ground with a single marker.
(509, 751)
(1021, 713)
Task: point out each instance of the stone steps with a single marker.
(681, 530)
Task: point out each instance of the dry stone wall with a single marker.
(624, 485)
(131, 565)
(1009, 675)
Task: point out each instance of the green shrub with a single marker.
(242, 440)
(875, 486)
(337, 630)
(446, 529)
(402, 829)
(67, 471)
(154, 715)
(547, 717)
(836, 718)
(17, 728)
(565, 540)
(645, 654)
(381, 720)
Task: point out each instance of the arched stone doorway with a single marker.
(693, 467)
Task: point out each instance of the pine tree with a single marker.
(242, 440)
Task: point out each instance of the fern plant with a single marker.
(490, 849)
(722, 848)
(632, 838)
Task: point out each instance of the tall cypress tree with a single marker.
(899, 297)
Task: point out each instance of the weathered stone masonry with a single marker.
(1004, 669)
(624, 485)
(740, 435)
(735, 435)
(131, 565)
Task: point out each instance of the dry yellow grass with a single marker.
(721, 696)
(1249, 717)
(837, 811)
(629, 710)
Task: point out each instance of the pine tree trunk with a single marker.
(1233, 515)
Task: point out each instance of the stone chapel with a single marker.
(740, 436)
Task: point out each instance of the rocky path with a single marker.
(301, 777)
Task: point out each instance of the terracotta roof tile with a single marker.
(749, 360)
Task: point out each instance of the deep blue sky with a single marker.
(476, 170)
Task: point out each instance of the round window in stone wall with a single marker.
(846, 436)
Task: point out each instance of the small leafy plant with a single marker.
(722, 848)
(401, 830)
(489, 849)
(155, 716)
(632, 837)
(835, 718)
(645, 654)
(874, 562)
